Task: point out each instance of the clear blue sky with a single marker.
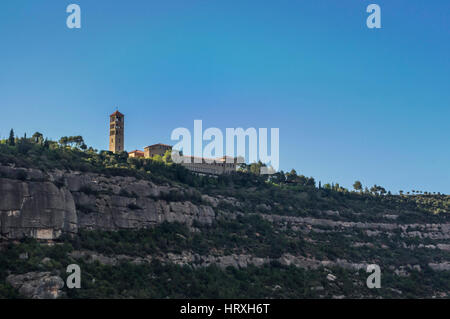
(351, 103)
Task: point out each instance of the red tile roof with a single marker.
(136, 151)
(117, 113)
(159, 144)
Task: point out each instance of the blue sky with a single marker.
(351, 103)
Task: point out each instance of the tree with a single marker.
(167, 157)
(311, 182)
(64, 140)
(24, 145)
(358, 186)
(11, 139)
(291, 176)
(122, 157)
(278, 177)
(38, 138)
(378, 190)
(255, 168)
(77, 140)
(243, 167)
(46, 144)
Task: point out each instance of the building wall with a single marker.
(136, 154)
(157, 149)
(215, 168)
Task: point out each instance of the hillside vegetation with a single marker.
(277, 236)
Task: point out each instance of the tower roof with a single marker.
(117, 113)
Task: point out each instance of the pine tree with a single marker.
(11, 139)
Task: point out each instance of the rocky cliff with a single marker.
(46, 205)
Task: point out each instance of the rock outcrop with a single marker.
(44, 206)
(37, 285)
(35, 209)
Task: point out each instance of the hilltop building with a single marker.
(209, 166)
(156, 149)
(204, 166)
(136, 153)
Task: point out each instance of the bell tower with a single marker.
(116, 132)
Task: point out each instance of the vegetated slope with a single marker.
(151, 229)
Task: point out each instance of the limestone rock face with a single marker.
(35, 209)
(37, 285)
(46, 205)
(440, 267)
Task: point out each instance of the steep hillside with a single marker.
(146, 229)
